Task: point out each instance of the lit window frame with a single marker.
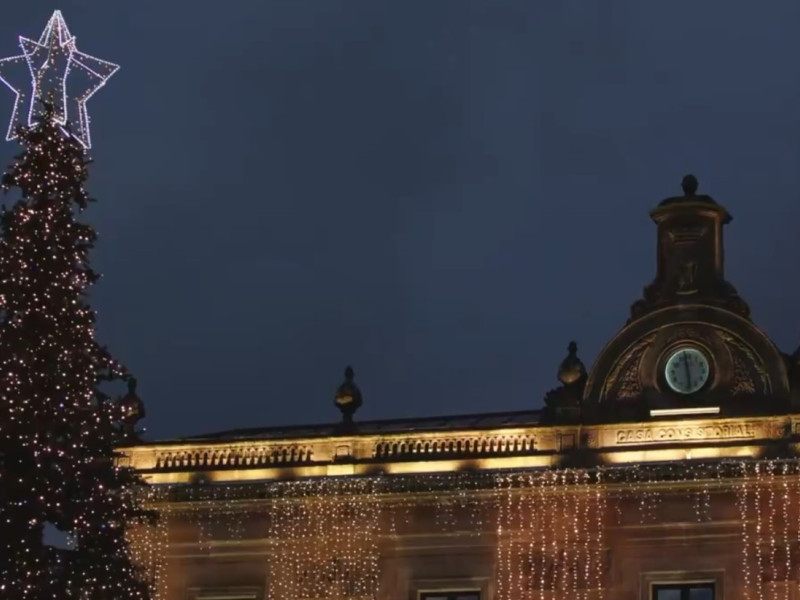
(420, 588)
(651, 578)
(450, 594)
(684, 587)
(226, 593)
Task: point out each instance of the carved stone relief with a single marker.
(624, 381)
(591, 439)
(749, 375)
(680, 333)
(737, 369)
(687, 278)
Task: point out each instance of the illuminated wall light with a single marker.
(549, 541)
(601, 499)
(550, 524)
(758, 533)
(587, 533)
(149, 544)
(787, 548)
(772, 527)
(684, 412)
(327, 538)
(501, 545)
(543, 527)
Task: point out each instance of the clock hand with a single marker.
(686, 368)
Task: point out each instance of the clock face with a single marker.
(686, 370)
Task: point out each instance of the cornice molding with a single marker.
(454, 451)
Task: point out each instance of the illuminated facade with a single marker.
(667, 471)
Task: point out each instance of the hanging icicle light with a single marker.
(549, 525)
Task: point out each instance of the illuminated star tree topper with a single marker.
(50, 61)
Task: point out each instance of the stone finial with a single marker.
(348, 396)
(131, 409)
(571, 368)
(689, 185)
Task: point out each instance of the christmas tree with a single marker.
(58, 427)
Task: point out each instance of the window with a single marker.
(232, 596)
(683, 591)
(466, 595)
(226, 593)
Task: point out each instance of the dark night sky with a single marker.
(442, 193)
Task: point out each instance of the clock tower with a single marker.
(689, 346)
(690, 261)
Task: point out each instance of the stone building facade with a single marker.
(667, 471)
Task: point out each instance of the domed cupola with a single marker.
(689, 346)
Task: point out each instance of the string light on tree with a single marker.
(60, 426)
(50, 61)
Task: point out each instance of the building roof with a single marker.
(419, 424)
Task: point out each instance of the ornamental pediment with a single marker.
(688, 357)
